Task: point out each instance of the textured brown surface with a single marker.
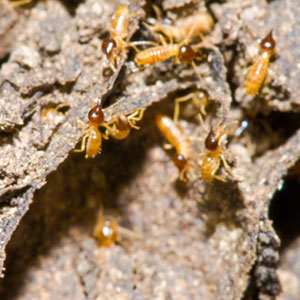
(197, 240)
(289, 272)
(246, 24)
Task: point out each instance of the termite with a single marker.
(182, 53)
(215, 155)
(116, 43)
(259, 70)
(52, 112)
(122, 124)
(107, 231)
(92, 137)
(195, 25)
(176, 137)
(199, 98)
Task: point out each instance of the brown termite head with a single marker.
(96, 115)
(106, 231)
(182, 164)
(211, 142)
(186, 53)
(202, 94)
(268, 43)
(122, 123)
(180, 161)
(108, 46)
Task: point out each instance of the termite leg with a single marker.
(177, 105)
(137, 14)
(227, 167)
(135, 117)
(157, 35)
(109, 130)
(188, 37)
(220, 178)
(141, 43)
(157, 12)
(56, 109)
(99, 216)
(163, 40)
(203, 111)
(93, 102)
(202, 122)
(83, 145)
(201, 36)
(81, 123)
(182, 174)
(197, 73)
(127, 233)
(196, 138)
(61, 105)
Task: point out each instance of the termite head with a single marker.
(108, 46)
(122, 123)
(211, 143)
(106, 231)
(96, 115)
(186, 53)
(180, 162)
(202, 94)
(268, 43)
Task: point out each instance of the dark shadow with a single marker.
(285, 211)
(71, 5)
(252, 292)
(222, 201)
(268, 132)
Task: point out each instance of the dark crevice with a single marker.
(252, 291)
(285, 211)
(268, 132)
(71, 5)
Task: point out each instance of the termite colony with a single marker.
(174, 40)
